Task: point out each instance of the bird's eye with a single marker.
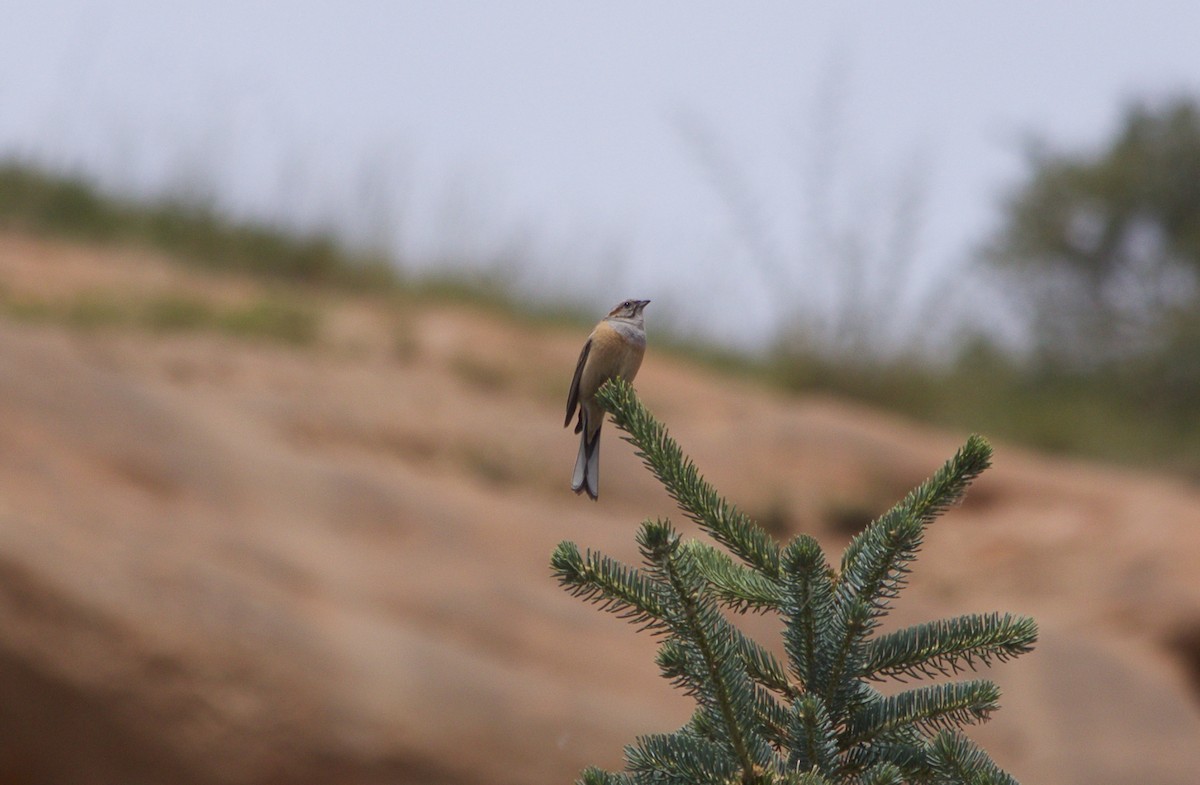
(626, 304)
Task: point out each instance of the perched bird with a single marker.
(614, 348)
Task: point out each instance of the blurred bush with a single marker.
(1102, 250)
(36, 200)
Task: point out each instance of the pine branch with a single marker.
(875, 563)
(852, 623)
(946, 646)
(698, 500)
(931, 708)
(703, 658)
(813, 737)
(956, 759)
(762, 666)
(770, 716)
(809, 608)
(904, 748)
(595, 776)
(682, 758)
(701, 725)
(739, 588)
(883, 774)
(613, 586)
(805, 778)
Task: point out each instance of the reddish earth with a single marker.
(230, 561)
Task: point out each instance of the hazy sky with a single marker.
(582, 135)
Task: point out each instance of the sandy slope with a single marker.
(229, 561)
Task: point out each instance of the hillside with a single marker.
(257, 533)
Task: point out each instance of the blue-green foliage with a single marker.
(815, 719)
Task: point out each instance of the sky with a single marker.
(747, 166)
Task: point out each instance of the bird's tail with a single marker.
(587, 465)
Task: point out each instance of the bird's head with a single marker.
(629, 310)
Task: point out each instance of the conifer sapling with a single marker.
(816, 718)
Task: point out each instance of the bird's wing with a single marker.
(573, 395)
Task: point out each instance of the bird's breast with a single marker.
(630, 333)
(613, 353)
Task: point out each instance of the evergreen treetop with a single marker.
(816, 718)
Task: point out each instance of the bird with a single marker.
(615, 348)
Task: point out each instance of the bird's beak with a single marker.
(643, 303)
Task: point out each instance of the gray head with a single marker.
(629, 311)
